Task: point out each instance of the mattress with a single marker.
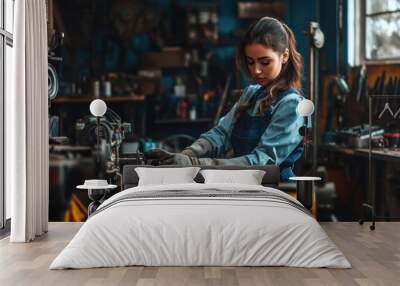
(201, 225)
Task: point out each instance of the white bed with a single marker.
(246, 225)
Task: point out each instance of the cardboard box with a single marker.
(168, 58)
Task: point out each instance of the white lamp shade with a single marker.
(98, 107)
(305, 107)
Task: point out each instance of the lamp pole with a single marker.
(98, 132)
(316, 41)
(305, 108)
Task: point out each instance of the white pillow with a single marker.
(165, 176)
(248, 177)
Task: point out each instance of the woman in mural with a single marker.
(263, 126)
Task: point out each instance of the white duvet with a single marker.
(183, 231)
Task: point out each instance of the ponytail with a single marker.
(294, 69)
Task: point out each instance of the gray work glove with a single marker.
(199, 148)
(238, 161)
(168, 158)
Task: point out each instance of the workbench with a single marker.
(384, 165)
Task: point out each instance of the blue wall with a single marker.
(299, 14)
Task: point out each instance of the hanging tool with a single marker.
(360, 83)
(223, 99)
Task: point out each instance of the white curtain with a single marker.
(27, 173)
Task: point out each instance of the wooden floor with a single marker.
(374, 255)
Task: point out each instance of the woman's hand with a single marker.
(168, 158)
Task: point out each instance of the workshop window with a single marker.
(373, 31)
(6, 64)
(382, 29)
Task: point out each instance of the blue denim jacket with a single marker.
(280, 138)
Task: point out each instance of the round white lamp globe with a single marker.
(305, 107)
(98, 107)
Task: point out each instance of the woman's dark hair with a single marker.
(276, 35)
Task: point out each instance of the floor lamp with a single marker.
(305, 108)
(98, 108)
(304, 184)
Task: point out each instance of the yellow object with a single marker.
(76, 210)
(314, 203)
